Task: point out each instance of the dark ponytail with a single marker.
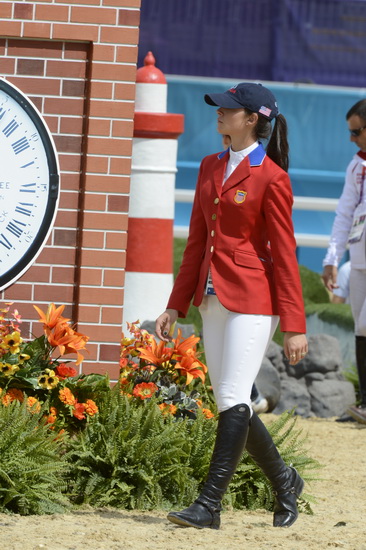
(277, 148)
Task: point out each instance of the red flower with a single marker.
(79, 410)
(145, 390)
(123, 362)
(64, 371)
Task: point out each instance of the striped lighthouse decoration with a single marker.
(149, 259)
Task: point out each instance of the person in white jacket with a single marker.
(349, 229)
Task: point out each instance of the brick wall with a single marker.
(76, 60)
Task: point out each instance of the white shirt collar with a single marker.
(236, 157)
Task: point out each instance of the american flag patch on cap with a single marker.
(265, 111)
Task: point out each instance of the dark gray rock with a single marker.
(293, 395)
(331, 398)
(269, 384)
(314, 376)
(337, 375)
(324, 356)
(275, 355)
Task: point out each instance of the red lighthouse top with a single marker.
(149, 74)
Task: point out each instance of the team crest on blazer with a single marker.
(240, 196)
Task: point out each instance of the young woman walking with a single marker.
(240, 268)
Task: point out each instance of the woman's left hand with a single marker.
(295, 346)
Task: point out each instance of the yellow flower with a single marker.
(48, 382)
(12, 342)
(23, 357)
(8, 369)
(50, 372)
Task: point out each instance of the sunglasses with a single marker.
(357, 132)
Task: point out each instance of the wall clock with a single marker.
(29, 183)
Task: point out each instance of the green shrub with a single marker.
(338, 314)
(314, 291)
(132, 456)
(32, 466)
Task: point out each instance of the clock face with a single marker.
(29, 183)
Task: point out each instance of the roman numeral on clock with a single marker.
(10, 128)
(21, 210)
(14, 228)
(28, 188)
(4, 241)
(20, 145)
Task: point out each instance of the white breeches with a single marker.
(357, 287)
(235, 345)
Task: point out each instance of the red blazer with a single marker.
(243, 231)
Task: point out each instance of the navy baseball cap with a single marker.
(249, 95)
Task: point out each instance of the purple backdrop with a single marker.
(322, 41)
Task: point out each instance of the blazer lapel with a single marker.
(242, 171)
(219, 170)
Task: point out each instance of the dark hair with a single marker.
(277, 148)
(358, 109)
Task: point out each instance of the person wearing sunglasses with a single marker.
(349, 229)
(240, 268)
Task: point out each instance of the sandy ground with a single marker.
(339, 519)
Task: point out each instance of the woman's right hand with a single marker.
(164, 323)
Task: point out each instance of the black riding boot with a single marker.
(358, 412)
(361, 367)
(286, 482)
(232, 430)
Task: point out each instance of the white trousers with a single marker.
(357, 287)
(235, 345)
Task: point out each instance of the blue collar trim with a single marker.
(256, 157)
(221, 155)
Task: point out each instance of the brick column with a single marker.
(77, 63)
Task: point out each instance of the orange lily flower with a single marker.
(182, 348)
(77, 342)
(52, 317)
(191, 368)
(67, 340)
(158, 354)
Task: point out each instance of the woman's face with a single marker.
(235, 122)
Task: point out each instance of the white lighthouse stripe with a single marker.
(154, 152)
(151, 98)
(152, 196)
(145, 296)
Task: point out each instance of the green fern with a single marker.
(131, 456)
(32, 467)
